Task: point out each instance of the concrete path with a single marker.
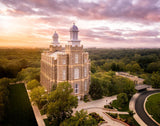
(98, 107)
(38, 115)
(95, 103)
(139, 107)
(132, 108)
(109, 121)
(36, 111)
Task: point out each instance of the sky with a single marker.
(101, 23)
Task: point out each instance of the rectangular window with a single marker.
(85, 85)
(76, 58)
(76, 88)
(85, 60)
(85, 71)
(64, 75)
(76, 73)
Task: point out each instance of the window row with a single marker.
(76, 73)
(76, 89)
(77, 58)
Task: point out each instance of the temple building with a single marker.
(70, 63)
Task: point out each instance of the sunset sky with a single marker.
(102, 23)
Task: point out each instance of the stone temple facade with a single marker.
(69, 63)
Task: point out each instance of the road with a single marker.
(139, 107)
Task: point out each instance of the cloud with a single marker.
(119, 9)
(114, 21)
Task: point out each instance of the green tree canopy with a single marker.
(61, 102)
(155, 80)
(81, 118)
(122, 99)
(32, 84)
(38, 96)
(29, 74)
(95, 89)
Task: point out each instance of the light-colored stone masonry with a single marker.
(59, 64)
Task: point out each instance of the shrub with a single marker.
(86, 98)
(96, 117)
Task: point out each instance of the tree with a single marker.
(155, 80)
(29, 74)
(81, 118)
(122, 99)
(129, 88)
(95, 89)
(153, 67)
(23, 63)
(4, 93)
(38, 96)
(93, 67)
(32, 84)
(114, 66)
(61, 103)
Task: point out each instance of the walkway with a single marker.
(96, 103)
(109, 121)
(98, 107)
(36, 111)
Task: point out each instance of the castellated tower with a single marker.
(70, 64)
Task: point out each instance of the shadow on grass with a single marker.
(19, 112)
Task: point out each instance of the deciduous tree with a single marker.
(122, 99)
(81, 118)
(32, 84)
(61, 103)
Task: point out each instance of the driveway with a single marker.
(139, 107)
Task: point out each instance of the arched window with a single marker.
(76, 73)
(64, 75)
(85, 71)
(76, 58)
(85, 85)
(76, 88)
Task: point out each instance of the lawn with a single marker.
(116, 105)
(20, 112)
(153, 106)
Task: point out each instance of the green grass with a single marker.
(20, 112)
(153, 106)
(133, 122)
(116, 105)
(125, 118)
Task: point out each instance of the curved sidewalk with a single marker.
(132, 108)
(137, 106)
(98, 107)
(108, 120)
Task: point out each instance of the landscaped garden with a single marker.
(19, 112)
(127, 118)
(153, 106)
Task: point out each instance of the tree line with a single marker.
(144, 63)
